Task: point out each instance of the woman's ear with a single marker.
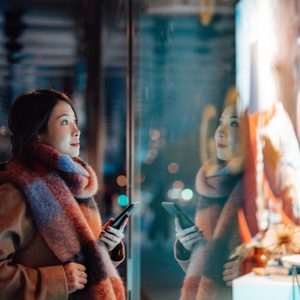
(37, 138)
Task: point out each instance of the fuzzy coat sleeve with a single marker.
(16, 230)
(182, 256)
(117, 255)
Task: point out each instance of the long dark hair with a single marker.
(29, 116)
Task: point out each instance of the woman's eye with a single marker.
(64, 122)
(234, 124)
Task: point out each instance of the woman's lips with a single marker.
(75, 145)
(221, 145)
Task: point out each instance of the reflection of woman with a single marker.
(226, 212)
(49, 222)
(219, 185)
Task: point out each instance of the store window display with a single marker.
(227, 213)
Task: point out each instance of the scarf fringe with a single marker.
(109, 289)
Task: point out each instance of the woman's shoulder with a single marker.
(16, 223)
(9, 187)
(11, 196)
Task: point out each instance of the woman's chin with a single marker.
(223, 157)
(73, 153)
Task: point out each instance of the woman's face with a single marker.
(227, 134)
(62, 133)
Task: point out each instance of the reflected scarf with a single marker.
(204, 279)
(59, 192)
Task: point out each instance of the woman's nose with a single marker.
(222, 130)
(76, 131)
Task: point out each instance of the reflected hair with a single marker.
(29, 116)
(232, 98)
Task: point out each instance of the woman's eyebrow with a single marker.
(66, 115)
(63, 115)
(234, 117)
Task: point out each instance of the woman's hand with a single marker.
(76, 276)
(111, 237)
(232, 270)
(188, 237)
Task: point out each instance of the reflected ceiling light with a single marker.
(174, 9)
(205, 9)
(48, 19)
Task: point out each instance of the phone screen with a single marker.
(175, 211)
(128, 211)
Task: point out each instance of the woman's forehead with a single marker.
(229, 111)
(62, 108)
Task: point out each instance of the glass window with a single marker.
(183, 66)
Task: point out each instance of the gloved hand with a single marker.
(232, 270)
(110, 236)
(188, 237)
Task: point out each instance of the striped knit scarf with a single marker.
(204, 278)
(59, 192)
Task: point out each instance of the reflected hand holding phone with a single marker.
(175, 211)
(186, 231)
(189, 236)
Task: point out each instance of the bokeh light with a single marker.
(178, 184)
(152, 153)
(154, 134)
(123, 200)
(174, 193)
(173, 167)
(187, 194)
(121, 180)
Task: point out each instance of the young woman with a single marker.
(203, 250)
(52, 245)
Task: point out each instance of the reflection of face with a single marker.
(226, 135)
(62, 132)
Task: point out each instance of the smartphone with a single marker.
(126, 212)
(175, 211)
